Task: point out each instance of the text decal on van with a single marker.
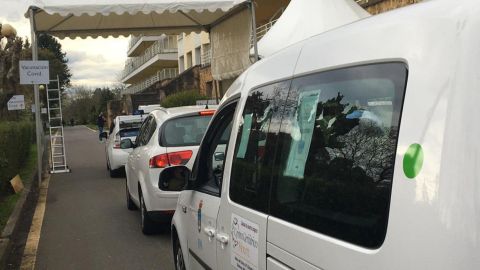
(413, 160)
(244, 244)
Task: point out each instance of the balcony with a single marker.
(161, 54)
(164, 74)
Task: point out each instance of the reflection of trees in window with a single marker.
(256, 138)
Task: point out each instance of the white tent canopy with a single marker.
(305, 18)
(93, 18)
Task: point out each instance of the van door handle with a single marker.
(223, 239)
(184, 209)
(210, 232)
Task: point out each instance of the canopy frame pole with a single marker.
(38, 124)
(191, 19)
(60, 22)
(254, 29)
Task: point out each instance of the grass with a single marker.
(92, 126)
(26, 173)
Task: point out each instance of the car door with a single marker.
(142, 157)
(203, 202)
(242, 220)
(133, 159)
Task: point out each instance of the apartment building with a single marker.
(151, 59)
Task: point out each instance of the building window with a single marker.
(198, 56)
(181, 64)
(189, 60)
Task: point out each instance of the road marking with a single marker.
(30, 252)
(91, 129)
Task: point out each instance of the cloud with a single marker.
(93, 62)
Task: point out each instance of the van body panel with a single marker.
(262, 71)
(434, 219)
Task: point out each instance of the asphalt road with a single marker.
(87, 224)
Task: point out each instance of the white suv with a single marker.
(167, 137)
(123, 127)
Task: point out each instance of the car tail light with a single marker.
(206, 112)
(116, 143)
(170, 159)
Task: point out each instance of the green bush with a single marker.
(184, 98)
(15, 141)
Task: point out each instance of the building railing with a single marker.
(262, 31)
(133, 41)
(166, 45)
(206, 57)
(166, 73)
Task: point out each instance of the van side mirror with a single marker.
(126, 144)
(174, 178)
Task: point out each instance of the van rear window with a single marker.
(185, 131)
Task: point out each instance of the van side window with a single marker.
(336, 152)
(208, 168)
(255, 146)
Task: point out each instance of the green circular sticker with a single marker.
(413, 160)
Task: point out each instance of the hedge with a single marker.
(184, 98)
(15, 141)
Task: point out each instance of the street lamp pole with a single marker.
(38, 124)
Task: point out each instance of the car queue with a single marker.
(325, 156)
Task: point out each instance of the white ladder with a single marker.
(55, 121)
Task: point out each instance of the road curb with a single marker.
(11, 226)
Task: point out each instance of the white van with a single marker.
(355, 149)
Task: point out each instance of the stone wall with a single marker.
(379, 6)
(206, 82)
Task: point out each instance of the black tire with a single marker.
(178, 255)
(114, 173)
(146, 223)
(130, 204)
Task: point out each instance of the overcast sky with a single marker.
(93, 62)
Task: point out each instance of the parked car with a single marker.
(167, 137)
(125, 126)
(354, 149)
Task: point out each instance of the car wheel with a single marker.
(146, 223)
(179, 261)
(114, 173)
(130, 204)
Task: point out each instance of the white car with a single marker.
(125, 126)
(341, 157)
(167, 137)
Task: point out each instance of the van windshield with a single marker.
(185, 131)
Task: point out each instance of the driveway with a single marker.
(87, 224)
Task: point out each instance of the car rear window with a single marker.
(185, 131)
(131, 132)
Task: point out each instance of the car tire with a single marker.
(130, 204)
(178, 256)
(146, 222)
(114, 173)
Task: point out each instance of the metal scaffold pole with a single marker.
(38, 123)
